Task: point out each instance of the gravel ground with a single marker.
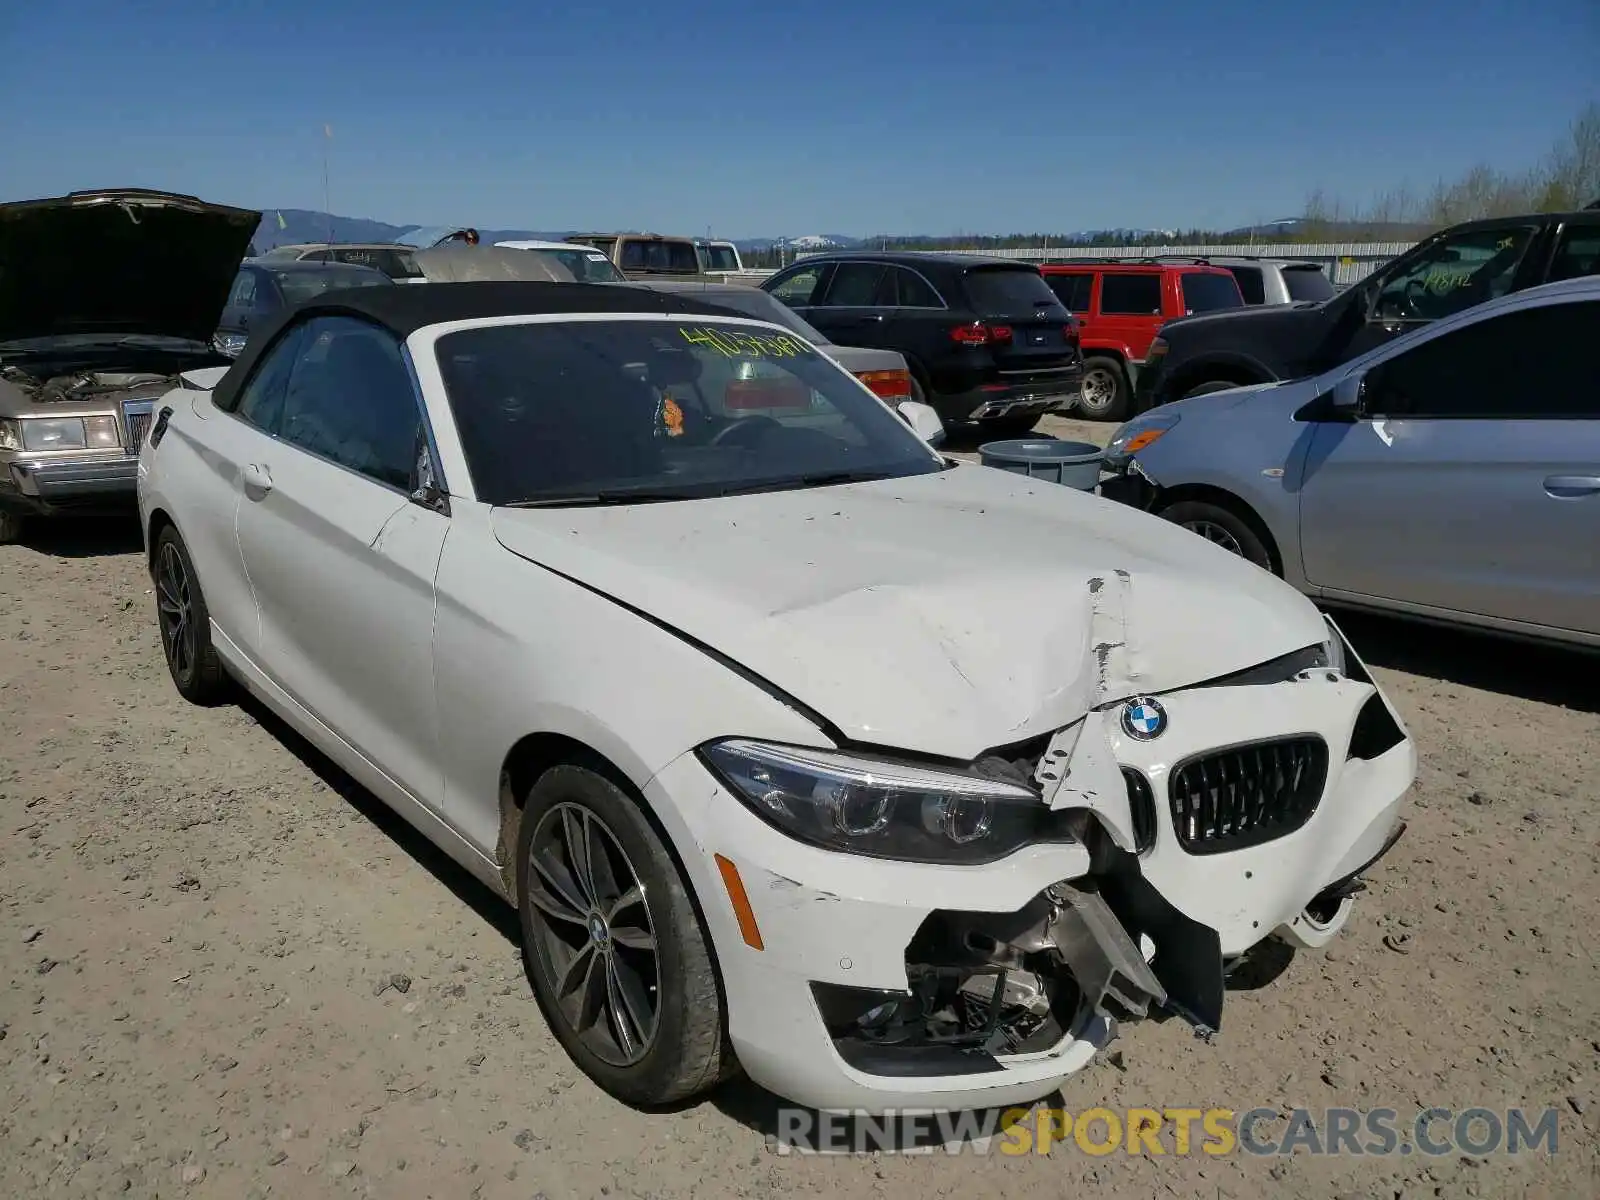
(229, 972)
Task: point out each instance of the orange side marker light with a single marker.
(741, 903)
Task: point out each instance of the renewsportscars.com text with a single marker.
(1153, 1132)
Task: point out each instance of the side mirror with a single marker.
(1349, 396)
(924, 422)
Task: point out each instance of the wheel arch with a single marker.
(160, 520)
(1233, 503)
(527, 760)
(1234, 369)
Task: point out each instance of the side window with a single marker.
(797, 289)
(1578, 254)
(1251, 285)
(1527, 364)
(1073, 289)
(908, 289)
(1453, 274)
(854, 285)
(260, 401)
(351, 401)
(1130, 295)
(243, 294)
(317, 256)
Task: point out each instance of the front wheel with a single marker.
(1221, 527)
(619, 962)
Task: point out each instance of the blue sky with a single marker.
(912, 116)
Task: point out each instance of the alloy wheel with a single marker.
(595, 938)
(176, 610)
(1217, 535)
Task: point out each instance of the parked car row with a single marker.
(1425, 443)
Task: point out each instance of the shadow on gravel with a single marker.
(494, 911)
(1547, 674)
(82, 537)
(806, 1128)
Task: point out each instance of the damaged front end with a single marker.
(1080, 956)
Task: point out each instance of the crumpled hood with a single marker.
(118, 261)
(945, 613)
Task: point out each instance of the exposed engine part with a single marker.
(1009, 989)
(87, 385)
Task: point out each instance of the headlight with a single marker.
(10, 436)
(102, 432)
(883, 809)
(1334, 649)
(58, 433)
(1138, 434)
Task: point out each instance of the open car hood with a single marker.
(947, 613)
(118, 261)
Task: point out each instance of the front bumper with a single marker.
(48, 486)
(844, 922)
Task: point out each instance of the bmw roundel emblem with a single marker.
(1144, 718)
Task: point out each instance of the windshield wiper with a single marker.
(600, 499)
(818, 479)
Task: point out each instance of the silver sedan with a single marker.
(1452, 474)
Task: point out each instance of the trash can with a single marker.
(1075, 464)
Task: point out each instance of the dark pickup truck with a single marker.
(1452, 270)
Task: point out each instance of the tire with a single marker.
(10, 527)
(1008, 427)
(1216, 385)
(684, 1051)
(184, 623)
(1104, 394)
(1222, 527)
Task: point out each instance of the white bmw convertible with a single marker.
(896, 781)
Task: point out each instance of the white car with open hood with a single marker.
(894, 780)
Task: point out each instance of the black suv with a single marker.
(1462, 266)
(985, 338)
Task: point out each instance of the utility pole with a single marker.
(327, 203)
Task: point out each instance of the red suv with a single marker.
(1120, 304)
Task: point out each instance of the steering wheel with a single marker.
(741, 425)
(1414, 291)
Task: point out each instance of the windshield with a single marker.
(642, 255)
(302, 285)
(587, 266)
(720, 258)
(1012, 291)
(1307, 283)
(640, 410)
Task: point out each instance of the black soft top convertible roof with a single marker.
(405, 308)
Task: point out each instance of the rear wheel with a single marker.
(185, 623)
(1103, 395)
(1221, 527)
(613, 946)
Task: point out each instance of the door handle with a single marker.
(257, 480)
(1570, 487)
